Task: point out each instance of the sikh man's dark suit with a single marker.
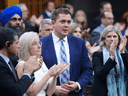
(80, 69)
(8, 84)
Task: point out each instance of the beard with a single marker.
(19, 29)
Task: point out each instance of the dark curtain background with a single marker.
(91, 8)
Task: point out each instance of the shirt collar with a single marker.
(6, 59)
(103, 26)
(57, 39)
(48, 13)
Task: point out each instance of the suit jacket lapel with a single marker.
(51, 49)
(71, 51)
(5, 64)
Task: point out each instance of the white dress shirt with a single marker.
(56, 42)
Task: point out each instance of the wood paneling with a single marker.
(12, 2)
(37, 6)
(3, 4)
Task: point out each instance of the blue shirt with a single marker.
(95, 36)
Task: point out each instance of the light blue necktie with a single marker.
(64, 77)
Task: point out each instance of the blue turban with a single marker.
(8, 13)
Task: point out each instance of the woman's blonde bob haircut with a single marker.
(25, 41)
(106, 31)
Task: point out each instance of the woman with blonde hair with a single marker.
(76, 30)
(109, 64)
(81, 18)
(45, 80)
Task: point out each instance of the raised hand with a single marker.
(63, 67)
(112, 50)
(93, 49)
(32, 64)
(53, 71)
(123, 44)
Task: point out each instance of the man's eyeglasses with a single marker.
(109, 18)
(15, 19)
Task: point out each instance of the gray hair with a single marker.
(106, 31)
(21, 5)
(44, 21)
(25, 41)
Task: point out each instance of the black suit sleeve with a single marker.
(125, 60)
(100, 70)
(8, 86)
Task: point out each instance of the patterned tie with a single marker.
(13, 71)
(64, 77)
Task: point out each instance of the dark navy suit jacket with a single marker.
(45, 16)
(80, 68)
(8, 84)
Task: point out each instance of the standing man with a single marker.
(60, 47)
(104, 6)
(50, 6)
(45, 27)
(33, 23)
(107, 18)
(10, 84)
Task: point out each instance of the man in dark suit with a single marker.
(10, 84)
(80, 70)
(50, 6)
(104, 6)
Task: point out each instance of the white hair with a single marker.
(20, 5)
(25, 41)
(44, 21)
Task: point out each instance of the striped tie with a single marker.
(64, 77)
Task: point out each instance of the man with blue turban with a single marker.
(11, 17)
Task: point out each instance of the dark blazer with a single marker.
(96, 22)
(44, 15)
(99, 86)
(8, 84)
(80, 69)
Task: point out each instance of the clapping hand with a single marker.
(123, 44)
(57, 69)
(63, 67)
(93, 49)
(53, 71)
(112, 50)
(32, 64)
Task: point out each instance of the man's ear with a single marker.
(7, 44)
(101, 10)
(102, 19)
(52, 22)
(39, 30)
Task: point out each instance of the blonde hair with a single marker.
(73, 27)
(84, 23)
(106, 31)
(25, 41)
